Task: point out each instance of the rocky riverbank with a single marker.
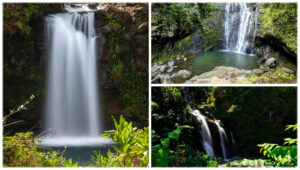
(270, 71)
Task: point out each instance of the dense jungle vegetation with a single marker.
(173, 22)
(280, 20)
(261, 119)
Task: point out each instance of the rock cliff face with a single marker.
(183, 41)
(123, 62)
(24, 62)
(122, 48)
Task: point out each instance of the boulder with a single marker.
(180, 76)
(287, 70)
(170, 70)
(155, 70)
(163, 68)
(165, 79)
(171, 63)
(257, 72)
(270, 62)
(264, 68)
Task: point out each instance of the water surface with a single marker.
(82, 154)
(207, 61)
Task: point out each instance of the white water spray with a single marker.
(72, 102)
(223, 138)
(205, 132)
(239, 27)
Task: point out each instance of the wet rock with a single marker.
(257, 72)
(161, 79)
(287, 70)
(263, 68)
(165, 79)
(171, 63)
(155, 70)
(156, 79)
(270, 62)
(221, 75)
(163, 68)
(170, 70)
(180, 76)
(105, 29)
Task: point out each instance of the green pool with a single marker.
(207, 61)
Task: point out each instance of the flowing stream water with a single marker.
(240, 27)
(205, 132)
(207, 139)
(223, 139)
(72, 111)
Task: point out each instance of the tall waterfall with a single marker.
(206, 136)
(240, 27)
(72, 101)
(223, 139)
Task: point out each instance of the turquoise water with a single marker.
(207, 61)
(82, 154)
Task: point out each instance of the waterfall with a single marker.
(205, 132)
(240, 27)
(72, 101)
(223, 139)
(233, 144)
(195, 43)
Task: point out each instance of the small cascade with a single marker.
(240, 27)
(207, 138)
(205, 132)
(223, 138)
(234, 146)
(195, 40)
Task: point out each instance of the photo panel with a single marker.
(76, 85)
(224, 43)
(224, 126)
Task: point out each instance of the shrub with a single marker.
(131, 150)
(21, 150)
(282, 156)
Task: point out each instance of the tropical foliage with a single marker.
(276, 155)
(132, 149)
(130, 144)
(282, 156)
(21, 150)
(280, 20)
(238, 108)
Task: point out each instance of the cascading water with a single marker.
(207, 140)
(205, 132)
(223, 138)
(233, 145)
(240, 27)
(72, 110)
